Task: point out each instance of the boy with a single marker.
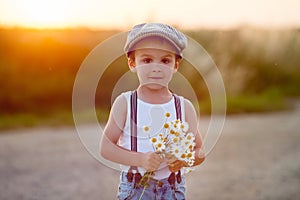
(154, 51)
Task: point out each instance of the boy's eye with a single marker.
(147, 60)
(165, 61)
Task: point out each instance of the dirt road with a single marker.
(257, 157)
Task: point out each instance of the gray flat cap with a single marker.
(145, 30)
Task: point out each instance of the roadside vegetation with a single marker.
(260, 69)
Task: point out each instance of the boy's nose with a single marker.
(156, 68)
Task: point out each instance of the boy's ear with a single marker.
(176, 66)
(131, 64)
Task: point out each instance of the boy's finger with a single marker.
(171, 160)
(158, 158)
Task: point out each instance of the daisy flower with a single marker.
(160, 146)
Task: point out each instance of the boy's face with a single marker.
(154, 67)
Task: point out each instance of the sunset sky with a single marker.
(125, 13)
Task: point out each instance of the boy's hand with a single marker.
(175, 164)
(151, 161)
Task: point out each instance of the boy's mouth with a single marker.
(155, 78)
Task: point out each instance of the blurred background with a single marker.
(255, 45)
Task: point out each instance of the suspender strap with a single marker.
(178, 107)
(178, 116)
(133, 136)
(133, 121)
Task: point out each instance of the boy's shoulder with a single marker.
(124, 94)
(123, 98)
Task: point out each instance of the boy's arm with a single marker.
(109, 148)
(192, 119)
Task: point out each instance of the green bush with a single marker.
(260, 69)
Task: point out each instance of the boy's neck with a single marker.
(154, 96)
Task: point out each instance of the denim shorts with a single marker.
(128, 191)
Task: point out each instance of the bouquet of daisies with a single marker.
(175, 142)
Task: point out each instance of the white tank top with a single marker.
(152, 116)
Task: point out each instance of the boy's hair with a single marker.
(146, 30)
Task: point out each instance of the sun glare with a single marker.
(123, 14)
(45, 14)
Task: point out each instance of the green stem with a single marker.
(142, 193)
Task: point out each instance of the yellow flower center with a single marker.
(166, 125)
(153, 140)
(168, 114)
(146, 128)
